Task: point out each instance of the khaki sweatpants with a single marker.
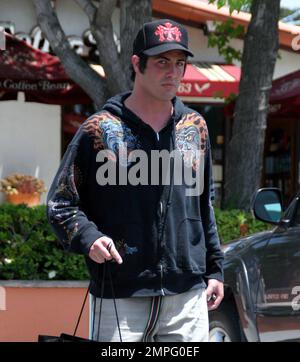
(176, 318)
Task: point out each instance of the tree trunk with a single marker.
(76, 68)
(116, 66)
(102, 30)
(245, 150)
(133, 15)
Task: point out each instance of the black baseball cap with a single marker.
(160, 36)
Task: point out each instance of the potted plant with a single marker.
(22, 189)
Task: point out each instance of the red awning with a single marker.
(286, 87)
(284, 97)
(39, 75)
(205, 82)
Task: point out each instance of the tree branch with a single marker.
(88, 7)
(102, 30)
(78, 70)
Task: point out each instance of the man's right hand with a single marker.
(104, 249)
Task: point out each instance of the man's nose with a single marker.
(172, 70)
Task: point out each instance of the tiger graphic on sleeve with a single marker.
(191, 139)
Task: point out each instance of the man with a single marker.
(157, 230)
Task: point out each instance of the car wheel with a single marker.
(224, 325)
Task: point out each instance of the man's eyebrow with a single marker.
(166, 58)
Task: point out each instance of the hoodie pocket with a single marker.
(191, 251)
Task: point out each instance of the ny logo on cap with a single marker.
(167, 32)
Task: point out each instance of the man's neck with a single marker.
(155, 113)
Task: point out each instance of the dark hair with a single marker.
(141, 64)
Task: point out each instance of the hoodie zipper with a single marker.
(160, 267)
(161, 212)
(161, 221)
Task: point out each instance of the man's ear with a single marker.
(135, 63)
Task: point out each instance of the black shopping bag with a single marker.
(64, 337)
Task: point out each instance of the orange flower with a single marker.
(19, 183)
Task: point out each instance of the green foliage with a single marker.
(229, 221)
(224, 32)
(29, 249)
(237, 5)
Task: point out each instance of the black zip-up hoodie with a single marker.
(167, 239)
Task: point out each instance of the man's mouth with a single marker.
(169, 85)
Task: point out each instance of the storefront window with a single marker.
(280, 157)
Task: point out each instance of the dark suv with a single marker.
(262, 278)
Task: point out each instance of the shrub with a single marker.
(229, 221)
(29, 249)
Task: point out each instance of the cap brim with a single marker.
(165, 48)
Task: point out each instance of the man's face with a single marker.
(163, 74)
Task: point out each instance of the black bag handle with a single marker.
(106, 265)
(82, 307)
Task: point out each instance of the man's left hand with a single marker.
(215, 293)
